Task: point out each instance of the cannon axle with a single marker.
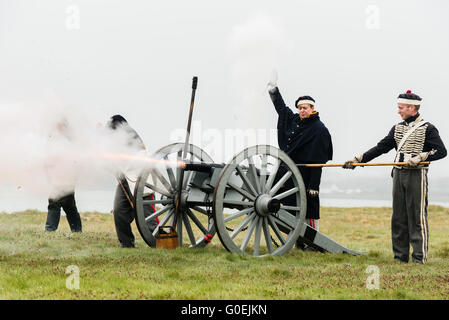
(266, 205)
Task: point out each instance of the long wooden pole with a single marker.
(184, 154)
(359, 164)
(121, 180)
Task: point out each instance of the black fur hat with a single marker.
(116, 120)
(409, 98)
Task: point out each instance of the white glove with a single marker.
(414, 161)
(313, 193)
(272, 84)
(349, 164)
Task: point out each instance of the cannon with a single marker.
(243, 201)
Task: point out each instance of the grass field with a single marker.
(33, 263)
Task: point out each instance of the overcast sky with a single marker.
(137, 58)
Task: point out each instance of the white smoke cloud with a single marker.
(255, 49)
(47, 149)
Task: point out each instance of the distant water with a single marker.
(102, 201)
(355, 203)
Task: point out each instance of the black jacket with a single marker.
(432, 142)
(304, 140)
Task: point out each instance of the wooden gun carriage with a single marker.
(256, 203)
(242, 201)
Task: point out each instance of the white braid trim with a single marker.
(409, 101)
(305, 101)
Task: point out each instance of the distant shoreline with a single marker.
(356, 203)
(325, 203)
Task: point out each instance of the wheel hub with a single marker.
(266, 205)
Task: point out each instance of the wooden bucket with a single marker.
(167, 238)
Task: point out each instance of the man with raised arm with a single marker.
(305, 139)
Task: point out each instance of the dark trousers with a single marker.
(313, 203)
(54, 213)
(409, 220)
(124, 216)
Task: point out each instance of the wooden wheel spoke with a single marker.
(280, 183)
(197, 222)
(263, 173)
(242, 225)
(276, 230)
(158, 213)
(154, 177)
(171, 176)
(238, 214)
(246, 181)
(189, 229)
(242, 191)
(257, 237)
(252, 170)
(286, 193)
(292, 208)
(157, 189)
(163, 222)
(164, 181)
(249, 233)
(267, 235)
(273, 175)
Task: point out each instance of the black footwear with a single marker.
(300, 245)
(400, 260)
(417, 261)
(309, 248)
(127, 245)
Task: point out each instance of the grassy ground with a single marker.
(33, 263)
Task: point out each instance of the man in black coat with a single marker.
(123, 208)
(305, 139)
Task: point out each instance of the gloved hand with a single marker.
(313, 193)
(272, 84)
(349, 164)
(414, 161)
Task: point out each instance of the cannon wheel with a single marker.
(162, 182)
(257, 222)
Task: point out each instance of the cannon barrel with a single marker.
(201, 166)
